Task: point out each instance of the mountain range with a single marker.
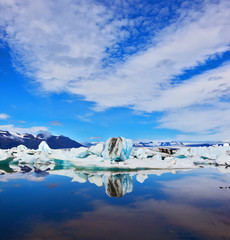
(157, 144)
(11, 139)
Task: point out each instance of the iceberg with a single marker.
(80, 152)
(140, 153)
(97, 149)
(117, 149)
(44, 147)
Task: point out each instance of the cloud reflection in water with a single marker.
(187, 205)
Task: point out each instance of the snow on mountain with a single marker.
(145, 143)
(12, 139)
(157, 143)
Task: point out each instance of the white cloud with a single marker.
(197, 106)
(200, 123)
(86, 30)
(95, 138)
(33, 130)
(62, 46)
(85, 117)
(142, 80)
(58, 42)
(29, 176)
(4, 116)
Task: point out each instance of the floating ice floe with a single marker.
(205, 152)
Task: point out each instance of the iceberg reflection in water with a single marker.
(117, 183)
(61, 201)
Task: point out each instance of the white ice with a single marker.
(120, 149)
(44, 147)
(141, 177)
(97, 149)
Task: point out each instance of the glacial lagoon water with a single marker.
(192, 204)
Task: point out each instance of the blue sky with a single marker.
(93, 69)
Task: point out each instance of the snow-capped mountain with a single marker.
(11, 139)
(157, 143)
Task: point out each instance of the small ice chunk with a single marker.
(21, 147)
(25, 158)
(140, 153)
(4, 154)
(117, 149)
(97, 149)
(144, 153)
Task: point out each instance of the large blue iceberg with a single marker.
(117, 149)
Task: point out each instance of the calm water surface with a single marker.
(191, 204)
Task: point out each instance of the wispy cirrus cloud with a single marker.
(95, 137)
(56, 123)
(85, 117)
(88, 61)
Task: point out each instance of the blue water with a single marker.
(184, 205)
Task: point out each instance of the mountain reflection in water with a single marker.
(63, 202)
